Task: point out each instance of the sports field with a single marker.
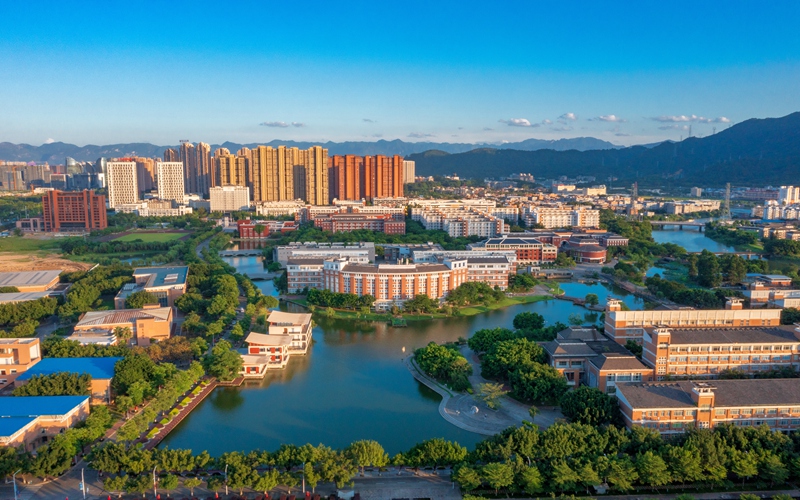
(151, 237)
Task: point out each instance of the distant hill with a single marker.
(754, 152)
(55, 152)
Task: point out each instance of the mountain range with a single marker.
(753, 152)
(55, 153)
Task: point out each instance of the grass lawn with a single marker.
(150, 237)
(750, 247)
(95, 257)
(21, 244)
(464, 311)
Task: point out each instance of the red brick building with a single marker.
(74, 211)
(247, 228)
(528, 250)
(341, 223)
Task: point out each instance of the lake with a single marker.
(352, 384)
(692, 239)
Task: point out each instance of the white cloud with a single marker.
(274, 124)
(518, 122)
(368, 120)
(569, 116)
(547, 122)
(608, 118)
(418, 135)
(674, 127)
(298, 124)
(689, 118)
(49, 140)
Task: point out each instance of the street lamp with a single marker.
(155, 493)
(14, 478)
(226, 479)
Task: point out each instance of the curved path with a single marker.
(459, 408)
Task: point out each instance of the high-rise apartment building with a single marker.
(789, 195)
(284, 174)
(171, 155)
(229, 170)
(170, 180)
(369, 177)
(229, 198)
(203, 167)
(146, 173)
(196, 167)
(123, 185)
(409, 171)
(73, 211)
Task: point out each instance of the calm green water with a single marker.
(352, 385)
(691, 239)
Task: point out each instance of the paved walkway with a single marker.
(466, 412)
(196, 399)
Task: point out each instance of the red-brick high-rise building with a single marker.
(73, 211)
(356, 177)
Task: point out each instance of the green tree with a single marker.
(115, 484)
(564, 477)
(123, 334)
(737, 269)
(708, 271)
(140, 484)
(138, 300)
(490, 393)
(744, 465)
(773, 470)
(528, 321)
(311, 476)
(267, 481)
(467, 477)
(435, 452)
(622, 474)
(192, 483)
(533, 411)
(498, 475)
(652, 469)
(56, 384)
(588, 476)
(168, 482)
(223, 362)
(531, 480)
(367, 453)
(591, 299)
(587, 405)
(692, 265)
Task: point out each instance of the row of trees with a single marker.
(56, 384)
(81, 246)
(327, 298)
(730, 236)
(32, 310)
(571, 458)
(681, 294)
(474, 293)
(89, 286)
(446, 364)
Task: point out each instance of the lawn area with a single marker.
(151, 237)
(464, 311)
(22, 244)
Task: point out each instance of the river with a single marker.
(352, 384)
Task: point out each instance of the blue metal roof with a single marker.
(11, 425)
(98, 368)
(18, 411)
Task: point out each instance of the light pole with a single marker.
(226, 479)
(155, 492)
(83, 485)
(14, 478)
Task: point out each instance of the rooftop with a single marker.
(29, 278)
(18, 411)
(284, 318)
(98, 368)
(163, 276)
(14, 297)
(488, 260)
(268, 340)
(121, 316)
(727, 393)
(754, 335)
(617, 361)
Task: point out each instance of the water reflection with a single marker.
(693, 240)
(352, 385)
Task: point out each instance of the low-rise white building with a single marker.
(229, 198)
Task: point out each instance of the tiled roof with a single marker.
(617, 361)
(119, 316)
(98, 368)
(562, 348)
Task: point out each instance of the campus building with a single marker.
(674, 407)
(344, 223)
(166, 283)
(313, 250)
(170, 180)
(587, 357)
(147, 325)
(32, 421)
(557, 217)
(123, 182)
(287, 334)
(258, 229)
(528, 250)
(31, 281)
(16, 357)
(585, 249)
(73, 211)
(393, 284)
(630, 325)
(100, 369)
(694, 353)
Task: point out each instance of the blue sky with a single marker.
(628, 72)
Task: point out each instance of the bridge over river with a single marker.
(679, 224)
(242, 253)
